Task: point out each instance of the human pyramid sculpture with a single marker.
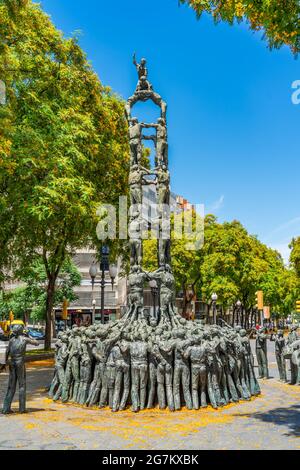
(145, 364)
(164, 360)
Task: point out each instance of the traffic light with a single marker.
(260, 300)
(267, 313)
(11, 316)
(298, 306)
(65, 310)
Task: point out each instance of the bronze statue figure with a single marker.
(16, 350)
(261, 353)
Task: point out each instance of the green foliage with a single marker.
(30, 299)
(295, 255)
(278, 20)
(63, 144)
(294, 280)
(245, 265)
(231, 263)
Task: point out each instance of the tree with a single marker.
(295, 255)
(288, 293)
(237, 264)
(279, 20)
(67, 149)
(293, 280)
(29, 300)
(231, 263)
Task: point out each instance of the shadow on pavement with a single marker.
(15, 411)
(38, 381)
(289, 417)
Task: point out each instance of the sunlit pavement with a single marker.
(271, 421)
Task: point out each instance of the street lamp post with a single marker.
(154, 290)
(214, 299)
(94, 311)
(104, 266)
(93, 274)
(113, 271)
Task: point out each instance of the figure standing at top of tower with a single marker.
(143, 83)
(144, 91)
(141, 68)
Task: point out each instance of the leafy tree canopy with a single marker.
(63, 143)
(231, 263)
(278, 20)
(295, 255)
(30, 299)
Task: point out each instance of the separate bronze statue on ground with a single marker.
(279, 353)
(17, 373)
(291, 352)
(261, 353)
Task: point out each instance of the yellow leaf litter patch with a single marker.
(151, 426)
(153, 423)
(31, 426)
(127, 425)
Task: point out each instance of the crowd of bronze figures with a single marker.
(143, 364)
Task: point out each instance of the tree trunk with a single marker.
(49, 308)
(189, 295)
(53, 324)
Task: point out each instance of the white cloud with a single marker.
(215, 206)
(285, 226)
(283, 249)
(282, 235)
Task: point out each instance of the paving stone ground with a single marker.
(271, 421)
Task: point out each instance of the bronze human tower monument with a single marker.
(141, 361)
(137, 178)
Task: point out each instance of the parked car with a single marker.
(34, 333)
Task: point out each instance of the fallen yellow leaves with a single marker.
(136, 429)
(31, 426)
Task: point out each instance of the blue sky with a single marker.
(233, 130)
